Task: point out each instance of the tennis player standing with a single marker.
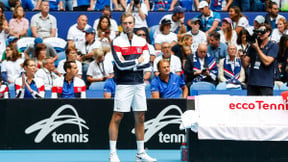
(131, 56)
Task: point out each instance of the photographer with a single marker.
(139, 11)
(261, 58)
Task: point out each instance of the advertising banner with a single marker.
(242, 118)
(83, 124)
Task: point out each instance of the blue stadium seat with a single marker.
(200, 86)
(151, 33)
(59, 44)
(61, 56)
(223, 86)
(24, 42)
(276, 88)
(284, 87)
(96, 90)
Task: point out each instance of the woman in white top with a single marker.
(239, 21)
(242, 44)
(103, 32)
(11, 66)
(281, 29)
(227, 34)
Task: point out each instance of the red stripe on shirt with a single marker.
(41, 89)
(79, 89)
(57, 90)
(131, 50)
(17, 86)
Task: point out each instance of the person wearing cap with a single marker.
(227, 34)
(107, 12)
(281, 29)
(43, 24)
(273, 15)
(230, 67)
(209, 19)
(176, 19)
(30, 50)
(9, 41)
(217, 5)
(76, 35)
(261, 61)
(90, 45)
(198, 35)
(167, 84)
(258, 21)
(165, 34)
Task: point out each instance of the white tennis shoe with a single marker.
(114, 157)
(144, 157)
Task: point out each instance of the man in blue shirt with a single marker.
(261, 57)
(216, 48)
(109, 88)
(69, 85)
(167, 84)
(209, 19)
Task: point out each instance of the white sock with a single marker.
(140, 146)
(112, 146)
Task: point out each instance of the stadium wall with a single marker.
(68, 18)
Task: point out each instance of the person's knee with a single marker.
(117, 117)
(140, 117)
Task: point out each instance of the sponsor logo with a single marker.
(46, 126)
(261, 105)
(162, 120)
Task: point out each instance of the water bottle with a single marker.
(184, 152)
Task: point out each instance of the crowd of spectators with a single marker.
(211, 48)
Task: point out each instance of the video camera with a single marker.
(252, 38)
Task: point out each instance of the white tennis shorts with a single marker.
(127, 96)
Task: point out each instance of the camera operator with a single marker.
(139, 11)
(261, 58)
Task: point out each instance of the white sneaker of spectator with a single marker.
(114, 157)
(144, 157)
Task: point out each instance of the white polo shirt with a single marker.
(78, 37)
(61, 70)
(160, 38)
(175, 63)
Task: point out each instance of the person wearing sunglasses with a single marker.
(261, 57)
